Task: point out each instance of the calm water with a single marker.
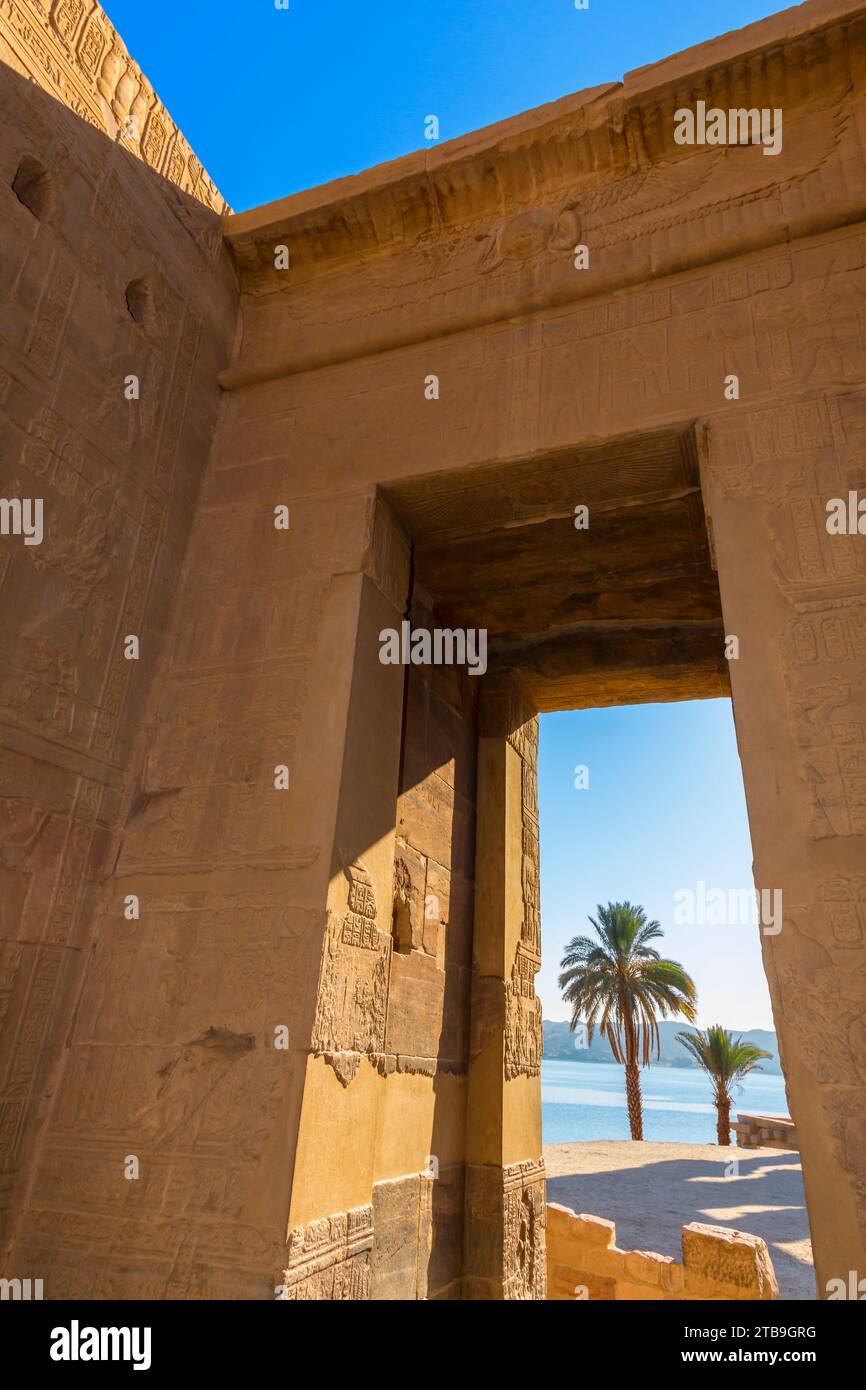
(586, 1100)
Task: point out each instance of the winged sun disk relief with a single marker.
(526, 235)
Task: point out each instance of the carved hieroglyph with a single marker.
(505, 1231)
(792, 458)
(525, 1200)
(523, 1025)
(783, 463)
(330, 1258)
(353, 985)
(822, 983)
(71, 48)
(704, 261)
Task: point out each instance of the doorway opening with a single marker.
(592, 574)
(644, 805)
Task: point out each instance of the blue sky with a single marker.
(274, 101)
(664, 809)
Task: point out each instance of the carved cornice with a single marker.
(71, 49)
(547, 153)
(480, 230)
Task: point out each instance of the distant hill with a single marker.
(559, 1046)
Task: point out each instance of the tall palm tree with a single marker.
(726, 1060)
(620, 984)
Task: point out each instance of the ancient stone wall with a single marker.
(584, 1262)
(505, 1196)
(429, 994)
(765, 1132)
(404, 1057)
(706, 262)
(106, 270)
(71, 50)
(274, 1038)
(801, 715)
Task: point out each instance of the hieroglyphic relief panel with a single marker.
(179, 828)
(71, 593)
(73, 51)
(410, 915)
(183, 964)
(99, 510)
(523, 1027)
(172, 1258)
(771, 452)
(815, 335)
(351, 1003)
(793, 458)
(660, 345)
(115, 249)
(222, 721)
(784, 463)
(830, 972)
(823, 655)
(823, 987)
(823, 577)
(107, 565)
(505, 1237)
(331, 1258)
(199, 1115)
(525, 1219)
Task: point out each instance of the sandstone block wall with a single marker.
(106, 269)
(766, 1131)
(71, 49)
(300, 910)
(584, 1261)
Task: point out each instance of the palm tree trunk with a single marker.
(723, 1122)
(633, 1098)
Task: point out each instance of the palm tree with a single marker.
(620, 984)
(726, 1060)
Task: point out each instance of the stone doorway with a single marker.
(591, 572)
(594, 572)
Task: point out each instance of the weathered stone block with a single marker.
(717, 1263)
(645, 1267)
(446, 1237)
(735, 1258)
(416, 1002)
(397, 1206)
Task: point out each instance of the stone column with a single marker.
(795, 597)
(505, 1212)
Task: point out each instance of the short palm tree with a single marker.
(726, 1060)
(617, 982)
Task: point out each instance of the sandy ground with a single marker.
(652, 1190)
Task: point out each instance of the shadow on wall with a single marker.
(107, 271)
(650, 1204)
(431, 959)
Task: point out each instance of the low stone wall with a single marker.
(584, 1261)
(766, 1132)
